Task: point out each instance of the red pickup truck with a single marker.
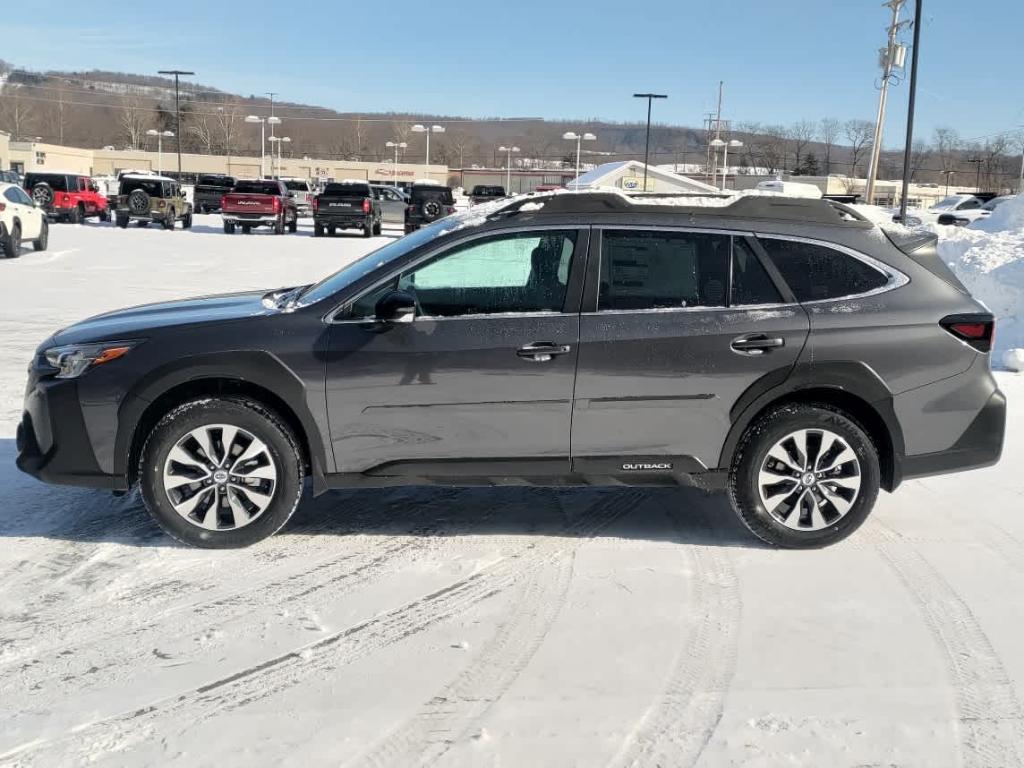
(259, 203)
(67, 196)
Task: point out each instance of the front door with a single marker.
(392, 206)
(681, 324)
(25, 210)
(481, 381)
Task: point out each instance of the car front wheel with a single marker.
(804, 476)
(41, 242)
(221, 473)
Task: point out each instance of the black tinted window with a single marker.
(663, 270)
(750, 281)
(815, 272)
(151, 188)
(347, 190)
(57, 182)
(296, 186)
(216, 181)
(258, 187)
(420, 194)
(521, 272)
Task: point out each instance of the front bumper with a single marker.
(52, 441)
(980, 445)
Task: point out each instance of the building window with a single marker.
(40, 158)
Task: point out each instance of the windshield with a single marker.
(949, 202)
(357, 190)
(215, 181)
(297, 186)
(257, 188)
(991, 205)
(360, 268)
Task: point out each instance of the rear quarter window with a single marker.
(817, 272)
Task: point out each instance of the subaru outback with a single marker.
(787, 351)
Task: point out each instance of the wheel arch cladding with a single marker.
(256, 375)
(851, 387)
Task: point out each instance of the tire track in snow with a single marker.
(989, 714)
(104, 659)
(678, 726)
(448, 717)
(325, 656)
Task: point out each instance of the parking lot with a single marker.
(516, 626)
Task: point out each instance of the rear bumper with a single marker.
(63, 456)
(980, 445)
(341, 219)
(250, 219)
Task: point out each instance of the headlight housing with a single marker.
(72, 360)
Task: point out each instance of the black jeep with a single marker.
(427, 204)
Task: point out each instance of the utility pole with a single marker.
(177, 110)
(910, 112)
(977, 162)
(889, 63)
(718, 132)
(647, 144)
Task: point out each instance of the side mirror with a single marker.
(396, 307)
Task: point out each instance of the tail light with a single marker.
(3, 207)
(223, 201)
(976, 330)
(315, 202)
(366, 205)
(277, 205)
(160, 204)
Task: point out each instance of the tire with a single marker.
(41, 242)
(280, 466)
(368, 229)
(12, 245)
(432, 210)
(42, 194)
(293, 227)
(318, 230)
(246, 229)
(122, 221)
(229, 228)
(816, 524)
(168, 220)
(76, 216)
(409, 229)
(279, 225)
(186, 223)
(139, 202)
(104, 215)
(377, 228)
(330, 231)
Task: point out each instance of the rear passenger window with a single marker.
(662, 270)
(751, 283)
(815, 272)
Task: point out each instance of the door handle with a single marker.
(757, 344)
(542, 351)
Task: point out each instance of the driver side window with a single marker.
(516, 272)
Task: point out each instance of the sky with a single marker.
(781, 60)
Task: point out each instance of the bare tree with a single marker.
(993, 161)
(946, 143)
(133, 119)
(800, 134)
(860, 134)
(919, 154)
(227, 118)
(204, 128)
(16, 113)
(770, 148)
(829, 131)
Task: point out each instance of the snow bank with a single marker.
(1008, 217)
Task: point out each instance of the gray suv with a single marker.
(784, 350)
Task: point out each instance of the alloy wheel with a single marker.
(220, 477)
(809, 479)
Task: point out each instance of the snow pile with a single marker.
(988, 257)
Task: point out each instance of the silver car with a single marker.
(392, 203)
(302, 190)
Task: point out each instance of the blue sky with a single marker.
(781, 60)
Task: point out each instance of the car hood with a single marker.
(136, 322)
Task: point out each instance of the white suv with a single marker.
(20, 221)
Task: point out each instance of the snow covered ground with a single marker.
(505, 627)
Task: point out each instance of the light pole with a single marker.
(177, 111)
(579, 138)
(272, 121)
(159, 147)
(508, 167)
(263, 140)
(279, 140)
(647, 143)
(716, 144)
(397, 146)
(423, 129)
(910, 111)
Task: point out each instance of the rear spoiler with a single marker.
(922, 247)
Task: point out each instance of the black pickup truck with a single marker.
(346, 205)
(483, 193)
(210, 188)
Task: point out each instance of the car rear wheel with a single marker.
(330, 231)
(368, 229)
(377, 228)
(279, 225)
(168, 220)
(246, 229)
(186, 223)
(293, 227)
(43, 240)
(804, 476)
(221, 473)
(229, 228)
(76, 215)
(122, 222)
(12, 245)
(318, 230)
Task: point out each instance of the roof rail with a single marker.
(772, 207)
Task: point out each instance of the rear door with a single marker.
(22, 207)
(481, 381)
(677, 324)
(392, 205)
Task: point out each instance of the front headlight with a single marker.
(72, 360)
